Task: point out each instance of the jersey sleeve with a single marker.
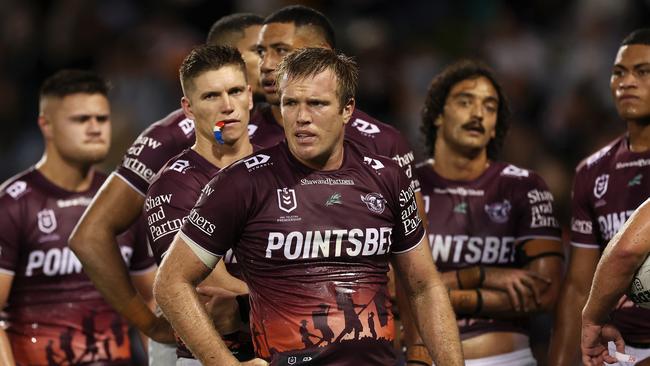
(142, 260)
(535, 212)
(409, 231)
(169, 200)
(10, 238)
(148, 153)
(215, 224)
(404, 156)
(583, 222)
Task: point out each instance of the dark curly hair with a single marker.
(437, 94)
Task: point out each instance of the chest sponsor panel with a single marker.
(453, 251)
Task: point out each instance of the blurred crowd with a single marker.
(553, 57)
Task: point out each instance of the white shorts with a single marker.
(522, 357)
(639, 353)
(188, 362)
(161, 354)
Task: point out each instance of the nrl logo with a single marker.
(46, 221)
(600, 185)
(375, 202)
(335, 199)
(287, 199)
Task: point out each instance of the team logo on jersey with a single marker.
(187, 126)
(335, 199)
(365, 127)
(499, 212)
(16, 189)
(252, 129)
(256, 160)
(374, 163)
(514, 171)
(287, 199)
(46, 221)
(375, 202)
(600, 185)
(180, 166)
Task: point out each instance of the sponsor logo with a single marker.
(535, 196)
(207, 190)
(612, 222)
(16, 189)
(329, 243)
(256, 161)
(46, 221)
(514, 171)
(498, 212)
(152, 202)
(60, 261)
(187, 126)
(581, 226)
(633, 164)
(140, 143)
(201, 222)
(374, 163)
(600, 185)
(375, 202)
(79, 201)
(472, 249)
(459, 191)
(139, 168)
(637, 284)
(287, 199)
(635, 181)
(365, 127)
(598, 154)
(405, 196)
(252, 129)
(292, 360)
(335, 199)
(180, 166)
(327, 181)
(461, 208)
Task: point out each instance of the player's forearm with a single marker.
(437, 324)
(6, 354)
(564, 349)
(180, 304)
(487, 302)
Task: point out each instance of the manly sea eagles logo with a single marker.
(46, 221)
(499, 212)
(375, 202)
(287, 199)
(600, 185)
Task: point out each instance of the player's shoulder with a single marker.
(173, 126)
(600, 158)
(183, 169)
(18, 187)
(373, 161)
(262, 162)
(368, 125)
(513, 174)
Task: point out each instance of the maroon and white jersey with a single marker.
(608, 187)
(171, 196)
(54, 310)
(314, 249)
(482, 222)
(375, 136)
(153, 148)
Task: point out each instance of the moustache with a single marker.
(474, 125)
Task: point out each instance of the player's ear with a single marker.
(45, 125)
(348, 109)
(187, 107)
(250, 98)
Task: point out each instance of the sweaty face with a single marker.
(630, 82)
(277, 40)
(247, 46)
(219, 95)
(79, 126)
(313, 120)
(469, 118)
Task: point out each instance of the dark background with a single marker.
(553, 56)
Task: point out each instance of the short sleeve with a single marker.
(151, 150)
(583, 222)
(409, 231)
(217, 221)
(536, 214)
(10, 238)
(406, 159)
(169, 200)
